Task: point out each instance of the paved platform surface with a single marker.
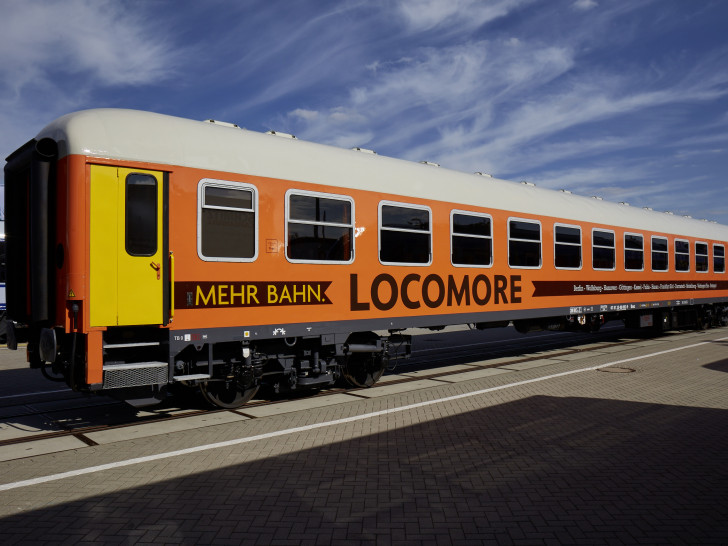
(556, 453)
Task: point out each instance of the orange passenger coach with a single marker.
(146, 251)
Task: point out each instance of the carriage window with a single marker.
(701, 257)
(405, 234)
(524, 243)
(659, 254)
(603, 250)
(682, 255)
(227, 222)
(567, 247)
(471, 239)
(320, 228)
(141, 215)
(719, 258)
(634, 253)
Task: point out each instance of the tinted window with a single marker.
(682, 256)
(701, 257)
(319, 209)
(471, 240)
(634, 252)
(227, 222)
(320, 228)
(603, 250)
(524, 243)
(659, 254)
(228, 198)
(719, 258)
(567, 247)
(141, 215)
(404, 235)
(405, 218)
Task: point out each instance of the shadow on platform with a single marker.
(540, 470)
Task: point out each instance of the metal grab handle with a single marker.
(157, 268)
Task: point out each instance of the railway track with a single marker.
(70, 414)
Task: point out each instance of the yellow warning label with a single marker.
(71, 294)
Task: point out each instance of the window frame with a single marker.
(624, 254)
(722, 246)
(226, 184)
(613, 248)
(540, 242)
(323, 195)
(688, 254)
(667, 252)
(429, 232)
(707, 256)
(453, 234)
(580, 245)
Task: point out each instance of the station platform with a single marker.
(617, 444)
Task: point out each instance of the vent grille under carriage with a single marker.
(138, 374)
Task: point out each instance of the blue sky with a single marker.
(627, 99)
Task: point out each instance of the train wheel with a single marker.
(227, 394)
(364, 369)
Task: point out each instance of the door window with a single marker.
(141, 215)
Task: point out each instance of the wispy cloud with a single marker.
(585, 5)
(106, 39)
(492, 103)
(420, 15)
(56, 57)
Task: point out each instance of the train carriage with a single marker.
(146, 251)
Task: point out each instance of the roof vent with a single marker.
(284, 135)
(527, 183)
(670, 212)
(565, 191)
(597, 198)
(647, 208)
(624, 203)
(223, 123)
(484, 174)
(430, 163)
(687, 216)
(364, 150)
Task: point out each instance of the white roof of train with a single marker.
(149, 137)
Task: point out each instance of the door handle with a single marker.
(157, 268)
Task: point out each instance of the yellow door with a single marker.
(127, 250)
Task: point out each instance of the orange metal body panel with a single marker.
(95, 361)
(272, 264)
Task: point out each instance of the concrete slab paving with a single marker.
(40, 447)
(145, 430)
(649, 342)
(70, 403)
(298, 405)
(388, 378)
(570, 357)
(470, 376)
(531, 364)
(499, 360)
(386, 390)
(26, 426)
(614, 349)
(439, 370)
